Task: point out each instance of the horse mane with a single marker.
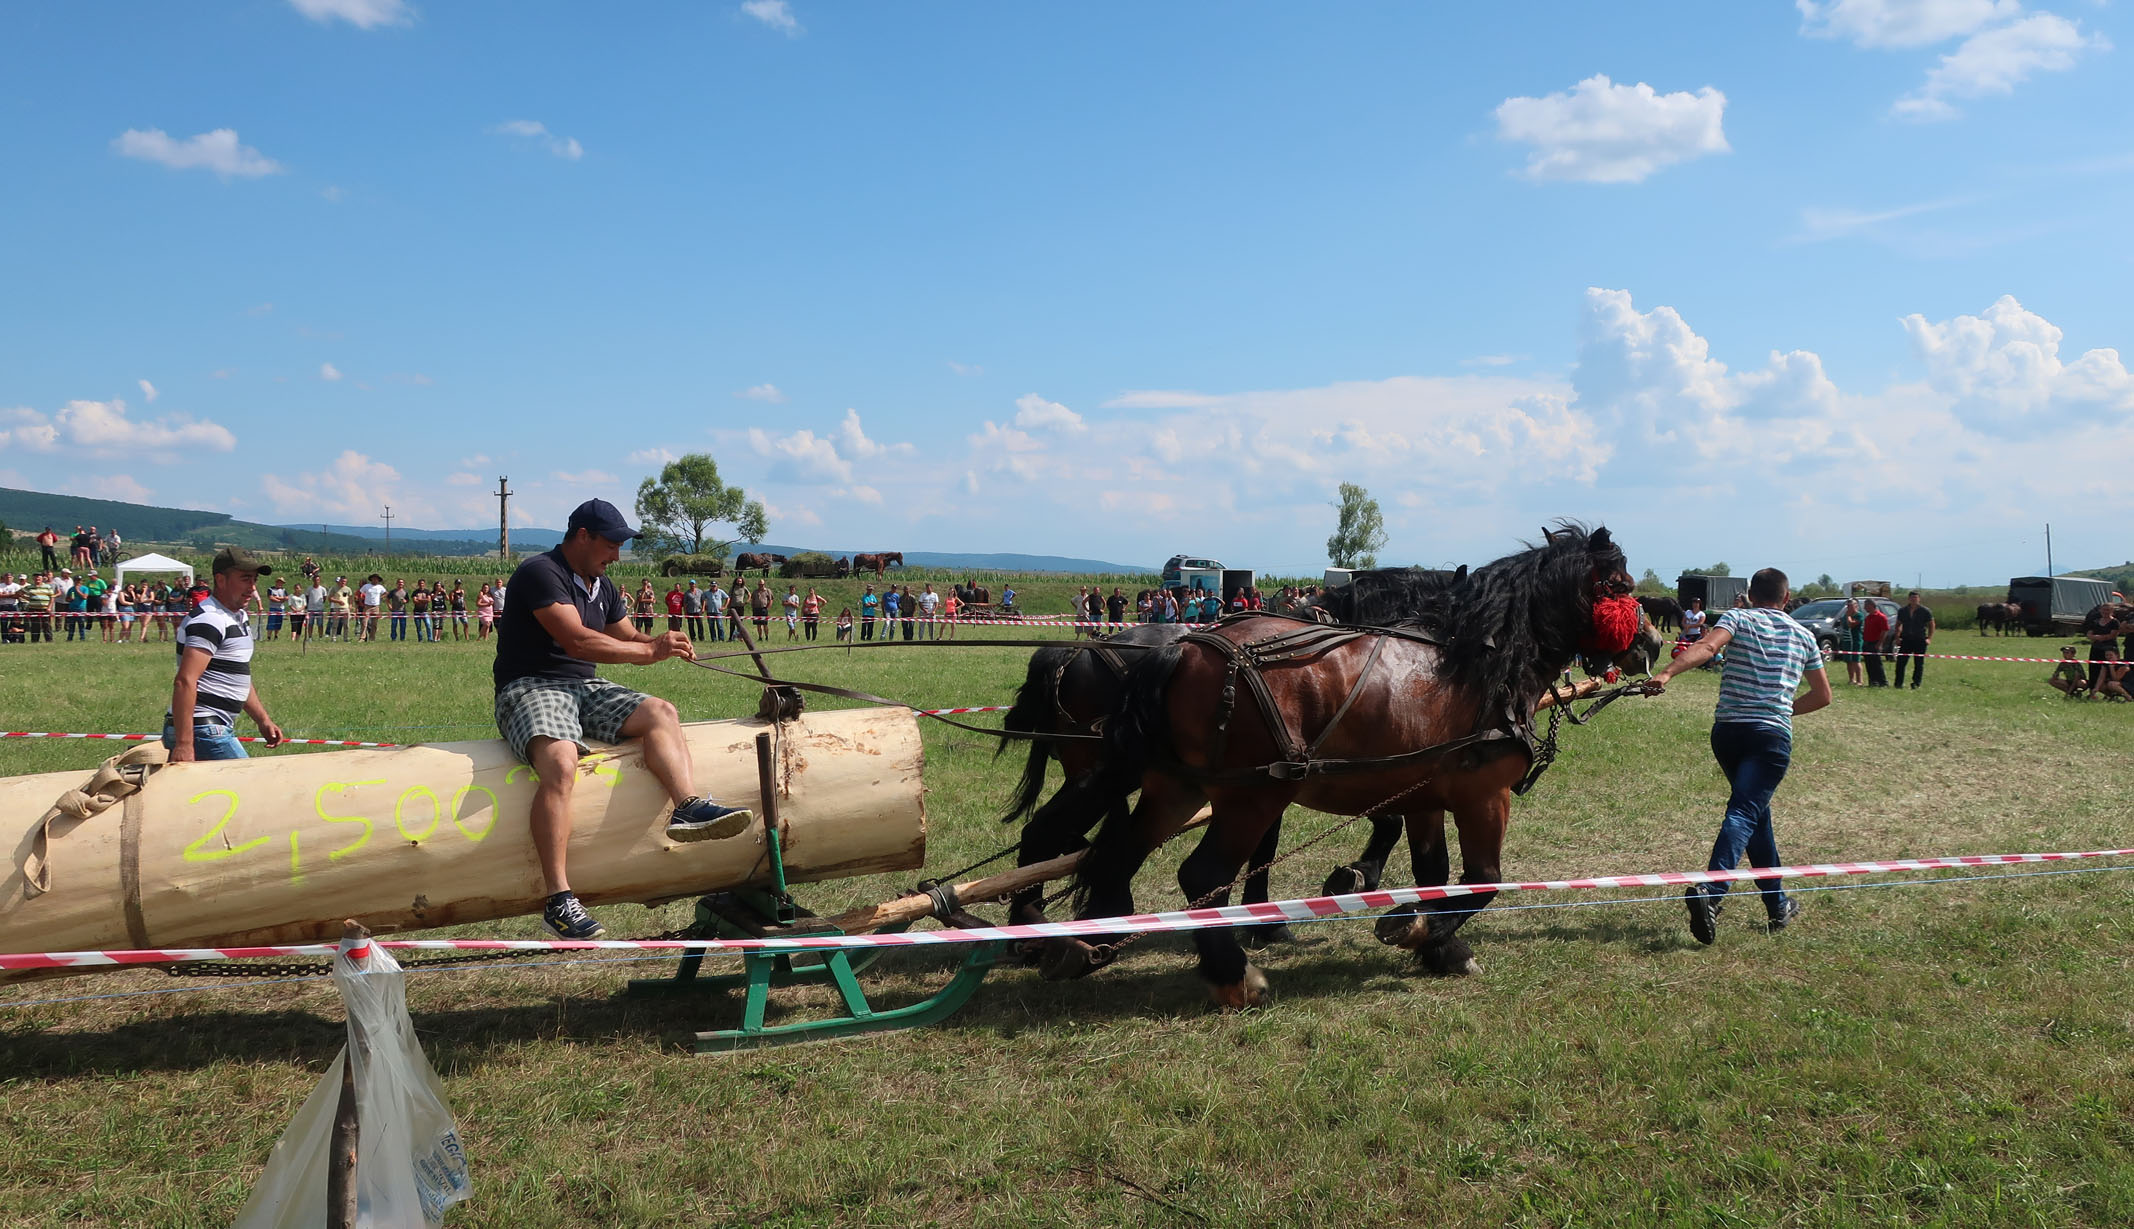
(1514, 624)
(1388, 597)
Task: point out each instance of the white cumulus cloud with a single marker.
(2002, 369)
(537, 132)
(776, 14)
(148, 391)
(802, 457)
(1995, 61)
(329, 372)
(1601, 132)
(651, 456)
(853, 444)
(1034, 413)
(1901, 23)
(352, 488)
(218, 151)
(763, 392)
(102, 429)
(362, 14)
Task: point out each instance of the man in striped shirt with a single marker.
(215, 668)
(1768, 656)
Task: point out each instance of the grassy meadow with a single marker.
(1905, 1055)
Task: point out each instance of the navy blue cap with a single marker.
(602, 518)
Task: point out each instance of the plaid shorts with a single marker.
(570, 709)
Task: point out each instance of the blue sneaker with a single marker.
(701, 819)
(566, 918)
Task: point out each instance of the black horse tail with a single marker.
(1135, 735)
(1032, 713)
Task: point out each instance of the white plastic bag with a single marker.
(409, 1166)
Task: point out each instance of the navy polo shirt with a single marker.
(524, 649)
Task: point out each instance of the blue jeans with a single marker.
(212, 740)
(400, 625)
(1754, 757)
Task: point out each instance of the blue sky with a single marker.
(1837, 286)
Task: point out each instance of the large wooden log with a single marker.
(283, 848)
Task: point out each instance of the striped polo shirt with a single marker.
(227, 636)
(1764, 664)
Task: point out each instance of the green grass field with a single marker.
(1906, 1055)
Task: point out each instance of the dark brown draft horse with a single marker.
(1259, 713)
(878, 563)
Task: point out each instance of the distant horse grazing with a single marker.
(880, 563)
(1665, 612)
(2007, 617)
(747, 560)
(1348, 721)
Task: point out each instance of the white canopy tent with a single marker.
(154, 563)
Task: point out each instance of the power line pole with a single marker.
(388, 529)
(2048, 550)
(503, 517)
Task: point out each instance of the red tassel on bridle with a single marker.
(1615, 625)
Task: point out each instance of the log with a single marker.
(282, 849)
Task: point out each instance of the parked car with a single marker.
(1821, 618)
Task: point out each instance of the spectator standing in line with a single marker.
(930, 610)
(1873, 628)
(314, 624)
(215, 681)
(811, 613)
(342, 598)
(759, 607)
(485, 610)
(373, 605)
(791, 605)
(176, 604)
(420, 603)
(396, 606)
(129, 597)
(693, 610)
(715, 610)
(1850, 640)
(1915, 631)
(2102, 627)
(870, 606)
(108, 616)
(1007, 599)
(568, 617)
(459, 610)
(647, 602)
(1769, 657)
(277, 607)
(48, 542)
(1115, 605)
(677, 606)
(907, 610)
(10, 609)
(38, 607)
(953, 604)
(890, 604)
(63, 600)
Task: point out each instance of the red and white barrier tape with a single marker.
(243, 738)
(1305, 909)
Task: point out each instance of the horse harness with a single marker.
(1247, 659)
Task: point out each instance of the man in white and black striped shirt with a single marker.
(215, 668)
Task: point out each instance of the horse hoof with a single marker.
(1452, 958)
(1066, 959)
(1409, 930)
(1345, 881)
(1249, 992)
(1253, 938)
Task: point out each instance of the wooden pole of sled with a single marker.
(341, 1154)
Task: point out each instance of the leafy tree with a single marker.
(1360, 533)
(1824, 582)
(1651, 581)
(1717, 569)
(677, 509)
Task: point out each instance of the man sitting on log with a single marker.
(567, 617)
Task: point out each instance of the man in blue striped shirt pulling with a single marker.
(214, 681)
(1768, 657)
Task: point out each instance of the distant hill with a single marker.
(436, 541)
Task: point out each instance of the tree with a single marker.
(1717, 569)
(1361, 531)
(1651, 580)
(1824, 582)
(677, 509)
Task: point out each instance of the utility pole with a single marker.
(503, 517)
(388, 529)
(2048, 550)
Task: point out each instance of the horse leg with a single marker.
(1408, 925)
(1059, 827)
(1106, 877)
(1256, 893)
(1206, 876)
(1482, 828)
(1369, 869)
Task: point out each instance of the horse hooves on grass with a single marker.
(1409, 930)
(1250, 992)
(1065, 959)
(1253, 938)
(1344, 881)
(1452, 958)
